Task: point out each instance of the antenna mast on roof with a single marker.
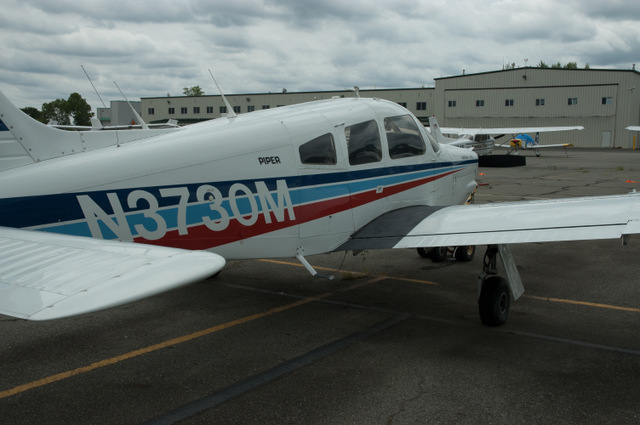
(135, 114)
(94, 87)
(230, 112)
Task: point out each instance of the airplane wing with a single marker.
(559, 145)
(607, 217)
(633, 128)
(507, 130)
(47, 276)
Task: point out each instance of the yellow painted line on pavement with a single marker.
(555, 300)
(583, 303)
(117, 359)
(405, 279)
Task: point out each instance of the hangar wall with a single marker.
(603, 101)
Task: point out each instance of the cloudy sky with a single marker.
(151, 48)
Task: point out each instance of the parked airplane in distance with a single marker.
(486, 143)
(95, 219)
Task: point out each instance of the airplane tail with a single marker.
(24, 140)
(435, 131)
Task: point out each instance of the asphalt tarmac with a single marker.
(393, 339)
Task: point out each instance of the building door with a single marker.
(606, 139)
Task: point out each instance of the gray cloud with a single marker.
(152, 48)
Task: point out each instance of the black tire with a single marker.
(495, 301)
(438, 254)
(423, 252)
(465, 253)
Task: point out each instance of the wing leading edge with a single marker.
(572, 219)
(48, 276)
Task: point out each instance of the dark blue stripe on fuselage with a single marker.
(32, 211)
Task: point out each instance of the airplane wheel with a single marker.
(438, 254)
(423, 252)
(495, 301)
(465, 253)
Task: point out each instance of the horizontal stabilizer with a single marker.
(48, 276)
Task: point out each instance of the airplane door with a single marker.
(324, 209)
(366, 170)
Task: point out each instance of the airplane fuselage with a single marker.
(263, 184)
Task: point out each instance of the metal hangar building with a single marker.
(603, 101)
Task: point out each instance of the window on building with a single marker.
(452, 104)
(607, 100)
(266, 106)
(183, 110)
(539, 102)
(196, 109)
(321, 150)
(508, 102)
(236, 109)
(209, 109)
(151, 111)
(363, 142)
(223, 109)
(172, 111)
(479, 103)
(420, 106)
(572, 101)
(251, 108)
(403, 137)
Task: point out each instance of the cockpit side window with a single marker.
(363, 142)
(403, 137)
(319, 151)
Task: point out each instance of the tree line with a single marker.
(73, 111)
(543, 64)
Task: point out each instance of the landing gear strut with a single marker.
(441, 253)
(494, 292)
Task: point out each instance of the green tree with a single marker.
(33, 113)
(193, 91)
(79, 109)
(56, 111)
(62, 111)
(571, 65)
(542, 64)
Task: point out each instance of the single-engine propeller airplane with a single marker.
(483, 140)
(95, 219)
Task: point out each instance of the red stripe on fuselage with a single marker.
(201, 237)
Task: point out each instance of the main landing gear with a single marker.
(494, 292)
(439, 254)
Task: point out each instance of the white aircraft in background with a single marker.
(633, 128)
(468, 137)
(92, 220)
(96, 125)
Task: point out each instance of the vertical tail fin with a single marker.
(435, 130)
(38, 141)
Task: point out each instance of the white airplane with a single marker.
(96, 125)
(633, 128)
(89, 228)
(468, 137)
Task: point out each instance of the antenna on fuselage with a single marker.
(135, 114)
(230, 112)
(94, 87)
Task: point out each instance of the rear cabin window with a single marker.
(319, 151)
(363, 141)
(403, 137)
